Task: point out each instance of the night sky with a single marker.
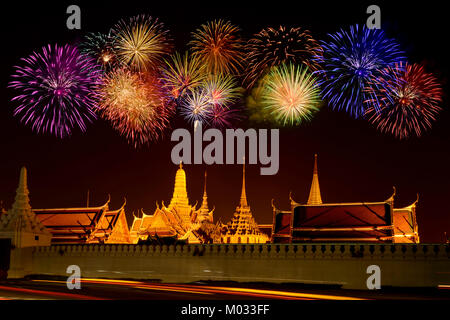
(356, 162)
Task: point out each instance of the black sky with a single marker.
(356, 162)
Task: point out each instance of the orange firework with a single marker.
(135, 105)
(219, 46)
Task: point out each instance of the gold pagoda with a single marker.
(243, 228)
(179, 220)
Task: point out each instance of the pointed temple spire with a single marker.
(243, 228)
(205, 198)
(243, 202)
(21, 220)
(314, 193)
(179, 192)
(22, 201)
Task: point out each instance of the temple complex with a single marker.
(316, 221)
(179, 220)
(243, 228)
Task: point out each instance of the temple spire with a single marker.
(314, 193)
(243, 202)
(22, 201)
(205, 197)
(179, 191)
(21, 224)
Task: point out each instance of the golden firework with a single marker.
(141, 42)
(134, 103)
(219, 46)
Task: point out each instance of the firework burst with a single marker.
(181, 74)
(351, 59)
(290, 94)
(220, 89)
(196, 106)
(219, 46)
(135, 105)
(100, 47)
(272, 47)
(407, 101)
(57, 88)
(141, 42)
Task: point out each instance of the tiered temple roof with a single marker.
(86, 224)
(243, 228)
(179, 220)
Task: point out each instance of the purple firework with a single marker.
(57, 90)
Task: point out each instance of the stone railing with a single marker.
(277, 251)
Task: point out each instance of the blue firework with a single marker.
(351, 60)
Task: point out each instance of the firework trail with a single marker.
(57, 90)
(219, 46)
(141, 42)
(351, 60)
(135, 104)
(272, 47)
(405, 100)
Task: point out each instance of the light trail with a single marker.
(173, 290)
(196, 289)
(290, 294)
(50, 293)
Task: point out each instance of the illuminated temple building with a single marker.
(179, 220)
(86, 225)
(243, 228)
(316, 221)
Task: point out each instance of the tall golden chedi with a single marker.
(179, 220)
(243, 228)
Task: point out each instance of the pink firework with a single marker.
(57, 90)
